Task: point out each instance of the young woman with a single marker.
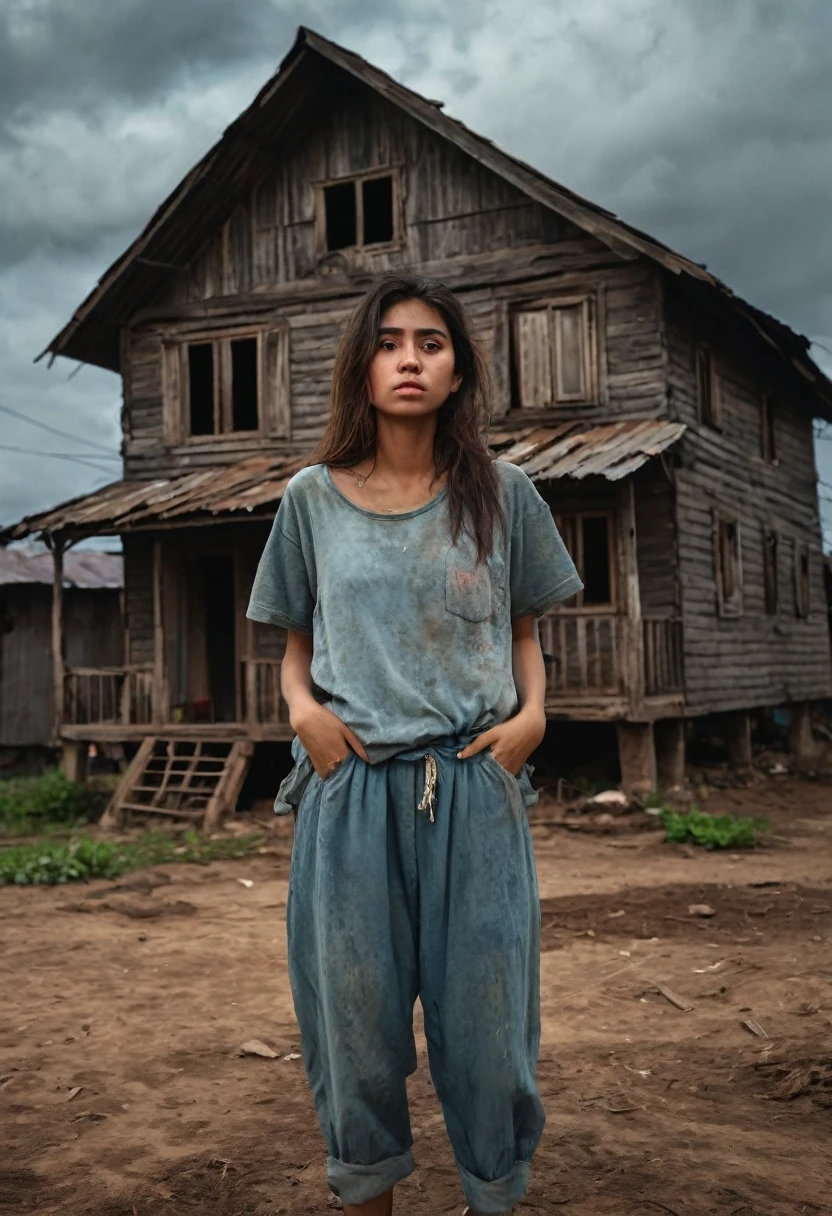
(409, 570)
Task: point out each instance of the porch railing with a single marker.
(589, 655)
(584, 654)
(108, 695)
(263, 701)
(663, 666)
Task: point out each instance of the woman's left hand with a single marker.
(512, 742)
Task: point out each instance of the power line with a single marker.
(44, 426)
(8, 447)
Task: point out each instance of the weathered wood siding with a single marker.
(93, 638)
(756, 658)
(656, 554)
(462, 223)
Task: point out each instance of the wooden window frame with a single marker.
(553, 306)
(710, 404)
(768, 440)
(728, 606)
(273, 384)
(771, 572)
(802, 582)
(576, 603)
(358, 179)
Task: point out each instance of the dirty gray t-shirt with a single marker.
(411, 637)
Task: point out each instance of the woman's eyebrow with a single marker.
(421, 333)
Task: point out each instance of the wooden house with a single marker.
(93, 636)
(667, 421)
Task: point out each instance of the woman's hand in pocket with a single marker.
(326, 738)
(512, 741)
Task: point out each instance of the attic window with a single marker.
(554, 353)
(358, 211)
(222, 392)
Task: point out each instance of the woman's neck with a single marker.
(404, 449)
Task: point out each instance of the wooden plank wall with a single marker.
(656, 541)
(462, 223)
(93, 637)
(138, 599)
(755, 659)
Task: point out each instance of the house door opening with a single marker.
(209, 643)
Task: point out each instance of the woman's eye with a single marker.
(432, 346)
(387, 344)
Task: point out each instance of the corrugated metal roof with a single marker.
(571, 449)
(85, 569)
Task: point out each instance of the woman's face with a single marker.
(412, 372)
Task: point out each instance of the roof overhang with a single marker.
(252, 489)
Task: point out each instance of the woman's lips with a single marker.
(409, 390)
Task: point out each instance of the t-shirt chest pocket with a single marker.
(473, 590)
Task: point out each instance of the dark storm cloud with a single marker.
(704, 122)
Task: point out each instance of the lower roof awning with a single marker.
(253, 487)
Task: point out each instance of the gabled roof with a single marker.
(252, 488)
(207, 196)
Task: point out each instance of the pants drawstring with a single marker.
(428, 801)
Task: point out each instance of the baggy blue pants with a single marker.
(388, 902)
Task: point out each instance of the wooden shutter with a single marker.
(534, 358)
(173, 386)
(275, 383)
(570, 352)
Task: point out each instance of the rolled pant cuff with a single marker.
(361, 1183)
(497, 1197)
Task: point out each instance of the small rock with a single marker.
(254, 1047)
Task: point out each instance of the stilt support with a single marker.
(637, 756)
(670, 752)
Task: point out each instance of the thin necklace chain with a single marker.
(377, 506)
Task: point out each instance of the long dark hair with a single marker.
(460, 447)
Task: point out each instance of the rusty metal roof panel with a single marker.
(576, 450)
(85, 569)
(569, 449)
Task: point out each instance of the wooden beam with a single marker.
(58, 666)
(159, 708)
(112, 815)
(633, 657)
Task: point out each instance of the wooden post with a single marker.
(633, 656)
(736, 730)
(58, 669)
(801, 743)
(669, 735)
(74, 760)
(637, 756)
(159, 709)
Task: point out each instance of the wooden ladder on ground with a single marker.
(195, 780)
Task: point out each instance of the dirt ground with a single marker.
(124, 1006)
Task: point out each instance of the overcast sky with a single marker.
(706, 122)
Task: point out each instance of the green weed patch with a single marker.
(82, 857)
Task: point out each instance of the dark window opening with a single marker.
(340, 214)
(801, 580)
(244, 384)
(767, 445)
(377, 200)
(596, 560)
(729, 568)
(770, 572)
(201, 388)
(709, 408)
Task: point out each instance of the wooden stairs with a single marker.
(192, 780)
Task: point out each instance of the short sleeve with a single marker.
(283, 591)
(541, 571)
